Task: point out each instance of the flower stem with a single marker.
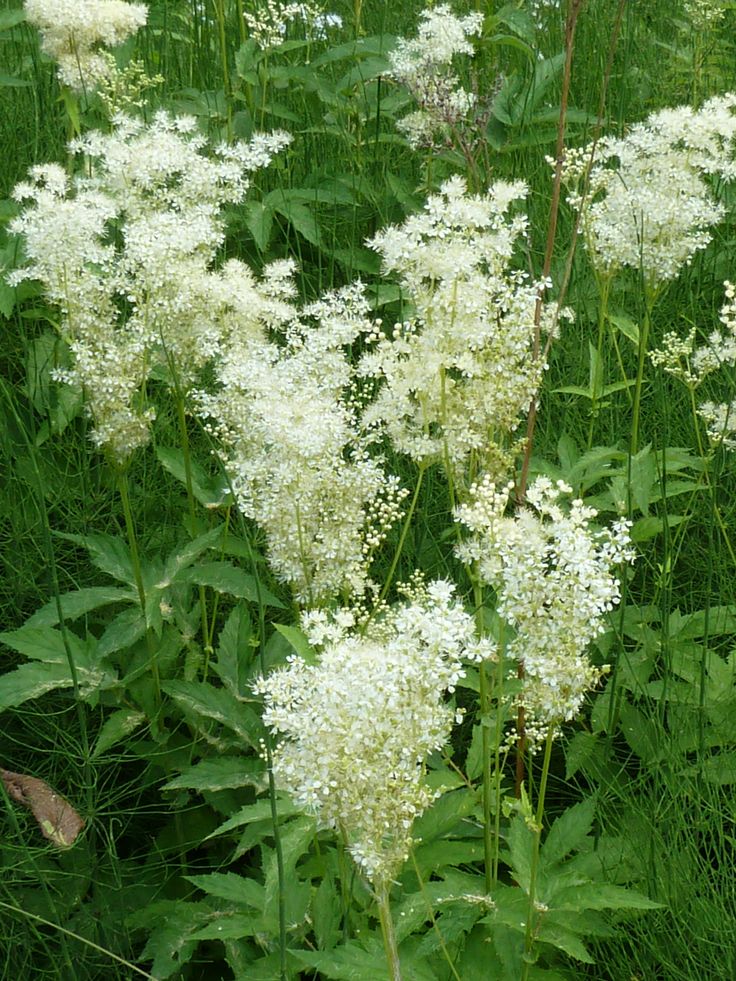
(388, 932)
(138, 574)
(529, 935)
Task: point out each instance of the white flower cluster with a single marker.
(292, 445)
(424, 65)
(269, 24)
(359, 723)
(680, 357)
(72, 32)
(553, 576)
(458, 377)
(125, 251)
(649, 205)
(705, 14)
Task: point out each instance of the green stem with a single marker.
(643, 346)
(186, 453)
(530, 917)
(388, 933)
(138, 574)
(402, 541)
(485, 709)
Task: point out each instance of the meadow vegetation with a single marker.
(367, 515)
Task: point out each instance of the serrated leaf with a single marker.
(326, 914)
(296, 837)
(231, 887)
(169, 944)
(568, 832)
(108, 553)
(183, 557)
(602, 895)
(116, 727)
(78, 603)
(123, 631)
(252, 813)
(224, 773)
(228, 925)
(31, 681)
(219, 705)
(563, 939)
(47, 644)
(520, 842)
(234, 653)
(349, 962)
(224, 577)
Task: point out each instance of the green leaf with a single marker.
(301, 219)
(224, 577)
(108, 553)
(116, 727)
(296, 838)
(181, 559)
(224, 773)
(568, 832)
(349, 962)
(228, 925)
(234, 653)
(219, 705)
(231, 887)
(602, 895)
(251, 813)
(46, 644)
(520, 841)
(169, 944)
(122, 632)
(298, 641)
(647, 528)
(31, 681)
(259, 222)
(209, 491)
(80, 602)
(563, 939)
(11, 18)
(326, 913)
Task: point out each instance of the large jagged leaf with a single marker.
(234, 652)
(224, 773)
(568, 832)
(231, 887)
(224, 577)
(48, 644)
(108, 553)
(219, 705)
(79, 602)
(116, 727)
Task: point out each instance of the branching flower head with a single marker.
(424, 65)
(358, 724)
(125, 251)
(457, 378)
(554, 580)
(268, 26)
(649, 205)
(681, 358)
(73, 31)
(295, 452)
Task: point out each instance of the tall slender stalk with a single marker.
(534, 868)
(122, 481)
(388, 933)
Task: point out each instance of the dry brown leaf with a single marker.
(56, 817)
